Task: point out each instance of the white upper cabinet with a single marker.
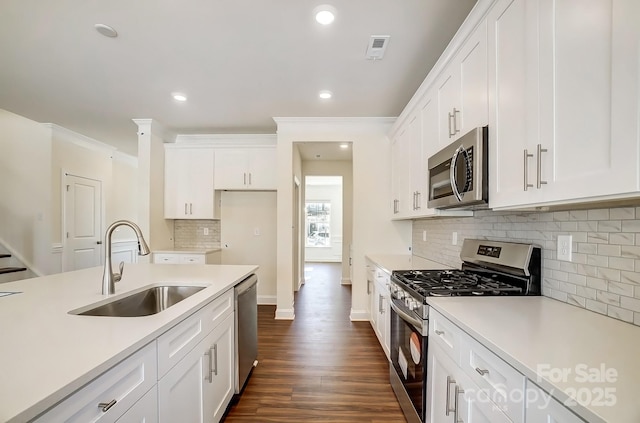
(564, 84)
(188, 187)
(462, 89)
(246, 168)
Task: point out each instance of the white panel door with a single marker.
(262, 169)
(82, 223)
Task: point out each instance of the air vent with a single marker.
(377, 46)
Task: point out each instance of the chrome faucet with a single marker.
(108, 277)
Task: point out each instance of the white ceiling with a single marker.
(240, 62)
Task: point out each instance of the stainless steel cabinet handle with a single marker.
(190, 208)
(368, 287)
(455, 121)
(439, 332)
(249, 178)
(107, 405)
(215, 359)
(418, 199)
(458, 391)
(380, 307)
(244, 181)
(527, 185)
(185, 208)
(210, 355)
(450, 117)
(539, 181)
(482, 371)
(447, 405)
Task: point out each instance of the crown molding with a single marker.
(69, 136)
(226, 140)
(154, 127)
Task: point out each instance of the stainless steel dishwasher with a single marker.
(246, 304)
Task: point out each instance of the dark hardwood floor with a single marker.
(321, 367)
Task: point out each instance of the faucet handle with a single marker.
(118, 276)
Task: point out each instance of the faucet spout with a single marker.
(109, 277)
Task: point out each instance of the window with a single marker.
(318, 224)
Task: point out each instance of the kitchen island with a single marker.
(48, 354)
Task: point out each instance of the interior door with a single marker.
(82, 223)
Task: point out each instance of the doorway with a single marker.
(323, 219)
(82, 217)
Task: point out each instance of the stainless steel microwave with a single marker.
(458, 173)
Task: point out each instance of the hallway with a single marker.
(321, 367)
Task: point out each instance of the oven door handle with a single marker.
(416, 323)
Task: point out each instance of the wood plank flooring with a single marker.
(321, 367)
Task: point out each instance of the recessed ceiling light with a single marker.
(106, 30)
(179, 97)
(344, 146)
(325, 95)
(325, 14)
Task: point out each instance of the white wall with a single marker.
(371, 193)
(157, 230)
(25, 190)
(242, 215)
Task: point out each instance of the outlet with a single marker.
(564, 247)
(205, 231)
(454, 238)
(424, 236)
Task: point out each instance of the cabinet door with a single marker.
(400, 176)
(189, 184)
(183, 391)
(176, 178)
(221, 389)
(542, 408)
(417, 163)
(143, 411)
(589, 74)
(441, 383)
(474, 103)
(231, 169)
(513, 95)
(262, 169)
(448, 88)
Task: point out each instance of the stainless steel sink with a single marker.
(144, 303)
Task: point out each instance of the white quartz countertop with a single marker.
(391, 262)
(47, 353)
(543, 338)
(188, 251)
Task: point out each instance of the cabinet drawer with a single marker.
(495, 377)
(192, 259)
(445, 334)
(179, 340)
(165, 258)
(143, 411)
(125, 383)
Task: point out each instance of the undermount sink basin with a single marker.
(144, 303)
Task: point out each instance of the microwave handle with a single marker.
(452, 173)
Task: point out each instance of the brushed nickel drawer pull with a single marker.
(482, 371)
(439, 332)
(107, 405)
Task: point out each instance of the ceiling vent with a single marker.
(377, 46)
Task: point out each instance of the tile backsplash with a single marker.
(190, 234)
(604, 274)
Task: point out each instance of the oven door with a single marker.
(408, 368)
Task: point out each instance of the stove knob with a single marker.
(412, 304)
(401, 294)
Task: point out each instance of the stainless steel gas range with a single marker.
(488, 268)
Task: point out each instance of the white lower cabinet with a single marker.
(380, 307)
(186, 375)
(143, 411)
(543, 408)
(200, 386)
(466, 382)
(109, 396)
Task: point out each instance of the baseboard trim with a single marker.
(345, 281)
(359, 315)
(285, 314)
(267, 300)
